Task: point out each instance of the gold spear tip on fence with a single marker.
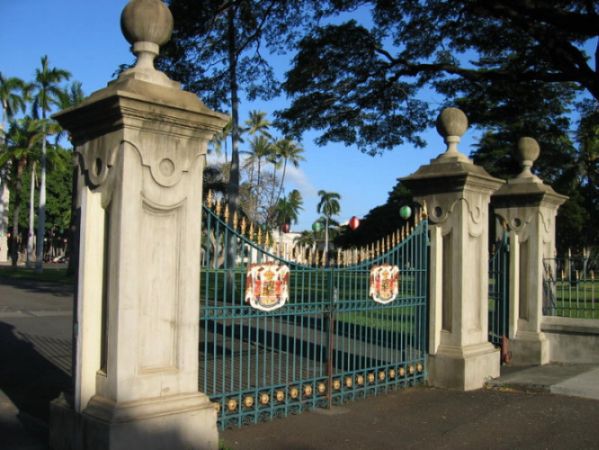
(226, 213)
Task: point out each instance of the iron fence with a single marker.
(570, 288)
(330, 343)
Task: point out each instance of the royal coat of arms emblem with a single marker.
(384, 283)
(267, 286)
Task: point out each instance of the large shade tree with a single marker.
(219, 50)
(515, 67)
(358, 81)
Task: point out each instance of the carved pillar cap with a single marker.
(147, 24)
(452, 123)
(529, 151)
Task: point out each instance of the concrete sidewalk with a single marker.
(575, 380)
(517, 410)
(553, 406)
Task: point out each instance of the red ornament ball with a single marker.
(285, 228)
(354, 223)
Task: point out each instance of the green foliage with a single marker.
(360, 83)
(340, 85)
(12, 97)
(216, 51)
(58, 206)
(516, 69)
(329, 203)
(287, 208)
(26, 145)
(198, 53)
(380, 221)
(46, 89)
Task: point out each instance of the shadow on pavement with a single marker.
(40, 287)
(29, 380)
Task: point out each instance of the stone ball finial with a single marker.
(146, 24)
(147, 21)
(452, 123)
(528, 150)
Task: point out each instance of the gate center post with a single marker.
(457, 194)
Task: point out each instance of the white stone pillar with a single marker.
(457, 194)
(142, 143)
(528, 208)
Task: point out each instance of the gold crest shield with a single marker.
(384, 283)
(267, 286)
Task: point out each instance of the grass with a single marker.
(48, 275)
(579, 300)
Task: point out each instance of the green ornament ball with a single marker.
(405, 212)
(316, 227)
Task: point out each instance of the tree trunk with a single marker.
(29, 259)
(326, 240)
(14, 251)
(233, 190)
(282, 179)
(41, 215)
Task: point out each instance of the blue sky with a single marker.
(84, 38)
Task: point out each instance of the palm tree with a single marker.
(328, 206)
(260, 148)
(306, 238)
(22, 151)
(287, 208)
(46, 94)
(219, 141)
(13, 97)
(290, 152)
(258, 124)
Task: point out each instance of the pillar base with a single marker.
(65, 426)
(529, 348)
(181, 421)
(464, 368)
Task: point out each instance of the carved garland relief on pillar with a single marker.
(96, 158)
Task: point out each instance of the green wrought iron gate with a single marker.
(499, 291)
(328, 344)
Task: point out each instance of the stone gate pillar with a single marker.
(457, 194)
(528, 207)
(142, 143)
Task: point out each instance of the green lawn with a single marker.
(579, 300)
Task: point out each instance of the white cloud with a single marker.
(299, 178)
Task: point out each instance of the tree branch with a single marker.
(572, 22)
